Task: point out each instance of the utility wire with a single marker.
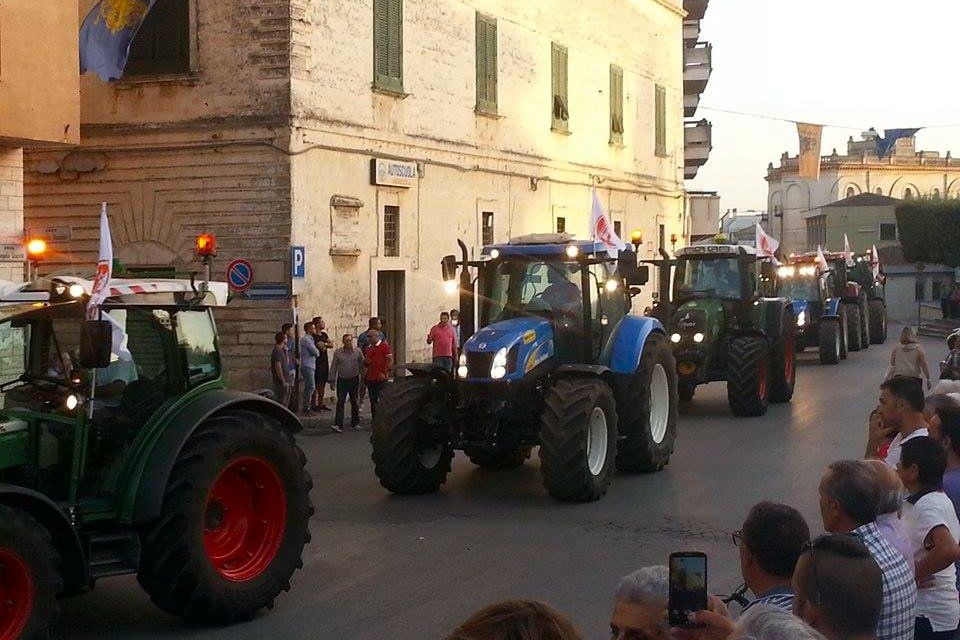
(792, 120)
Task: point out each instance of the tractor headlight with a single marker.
(76, 291)
(494, 254)
(802, 318)
(612, 285)
(462, 366)
(572, 251)
(698, 337)
(72, 402)
(498, 369)
(675, 338)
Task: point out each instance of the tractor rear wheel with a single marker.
(864, 308)
(499, 457)
(843, 324)
(234, 521)
(878, 322)
(853, 328)
(830, 341)
(783, 375)
(748, 376)
(648, 413)
(407, 457)
(29, 579)
(685, 392)
(578, 439)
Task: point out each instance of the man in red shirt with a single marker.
(378, 358)
(443, 337)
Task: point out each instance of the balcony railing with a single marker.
(697, 67)
(697, 144)
(695, 8)
(690, 104)
(691, 30)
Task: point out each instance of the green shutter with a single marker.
(486, 64)
(388, 45)
(560, 106)
(661, 121)
(616, 104)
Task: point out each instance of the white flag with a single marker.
(602, 231)
(101, 281)
(766, 245)
(875, 261)
(847, 252)
(821, 260)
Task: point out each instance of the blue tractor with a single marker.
(558, 362)
(819, 309)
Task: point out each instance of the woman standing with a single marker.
(908, 359)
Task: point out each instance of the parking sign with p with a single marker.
(298, 263)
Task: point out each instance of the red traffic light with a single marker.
(206, 245)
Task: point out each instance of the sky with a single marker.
(854, 63)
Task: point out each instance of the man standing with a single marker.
(444, 341)
(848, 504)
(888, 509)
(901, 413)
(308, 365)
(293, 361)
(378, 359)
(374, 324)
(345, 370)
(323, 343)
(640, 606)
(282, 381)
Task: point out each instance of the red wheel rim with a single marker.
(16, 595)
(789, 362)
(246, 516)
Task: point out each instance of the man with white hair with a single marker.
(767, 622)
(640, 607)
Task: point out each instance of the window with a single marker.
(486, 228)
(616, 104)
(851, 192)
(561, 225)
(391, 231)
(936, 193)
(162, 46)
(388, 45)
(486, 64)
(662, 237)
(198, 340)
(660, 120)
(907, 193)
(878, 191)
(888, 230)
(617, 228)
(919, 288)
(561, 113)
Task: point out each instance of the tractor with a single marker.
(871, 281)
(723, 327)
(122, 451)
(558, 362)
(821, 318)
(853, 298)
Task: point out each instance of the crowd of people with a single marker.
(887, 568)
(356, 369)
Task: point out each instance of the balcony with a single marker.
(697, 144)
(695, 9)
(690, 104)
(691, 30)
(697, 67)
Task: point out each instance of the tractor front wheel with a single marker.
(830, 341)
(854, 336)
(878, 321)
(648, 413)
(748, 376)
(578, 439)
(29, 580)
(234, 521)
(499, 457)
(783, 377)
(407, 457)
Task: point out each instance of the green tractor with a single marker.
(871, 280)
(121, 451)
(723, 327)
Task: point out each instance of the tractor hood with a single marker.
(527, 341)
(697, 316)
(799, 306)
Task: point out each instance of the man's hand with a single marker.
(717, 624)
(877, 433)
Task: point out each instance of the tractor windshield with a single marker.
(801, 288)
(715, 277)
(512, 288)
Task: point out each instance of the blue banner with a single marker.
(890, 137)
(107, 33)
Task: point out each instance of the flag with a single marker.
(809, 149)
(107, 33)
(889, 140)
(101, 281)
(766, 245)
(602, 231)
(821, 260)
(847, 253)
(875, 261)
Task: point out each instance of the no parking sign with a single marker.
(239, 275)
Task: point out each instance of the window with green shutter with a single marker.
(660, 120)
(616, 104)
(560, 106)
(486, 64)
(388, 45)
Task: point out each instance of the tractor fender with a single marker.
(426, 370)
(73, 561)
(625, 345)
(831, 308)
(182, 422)
(581, 370)
(776, 309)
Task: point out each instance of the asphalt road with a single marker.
(412, 568)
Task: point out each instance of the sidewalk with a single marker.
(319, 423)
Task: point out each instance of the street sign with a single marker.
(393, 173)
(298, 263)
(239, 275)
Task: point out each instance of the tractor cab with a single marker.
(724, 272)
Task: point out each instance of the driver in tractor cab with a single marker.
(562, 295)
(721, 276)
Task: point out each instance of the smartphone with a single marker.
(688, 586)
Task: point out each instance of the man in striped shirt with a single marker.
(771, 541)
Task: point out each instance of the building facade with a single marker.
(867, 220)
(697, 68)
(373, 134)
(904, 173)
(703, 215)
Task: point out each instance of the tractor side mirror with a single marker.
(630, 271)
(96, 339)
(448, 265)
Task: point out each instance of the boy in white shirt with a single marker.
(931, 522)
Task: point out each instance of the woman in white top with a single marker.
(908, 359)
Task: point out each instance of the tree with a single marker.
(930, 230)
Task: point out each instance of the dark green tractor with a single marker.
(871, 280)
(121, 451)
(724, 328)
